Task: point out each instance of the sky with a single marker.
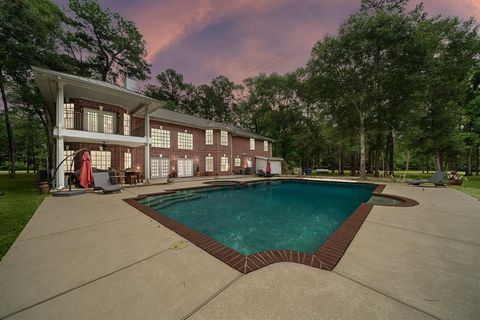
(241, 38)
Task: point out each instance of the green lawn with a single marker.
(19, 201)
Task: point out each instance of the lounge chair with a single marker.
(261, 173)
(102, 182)
(436, 179)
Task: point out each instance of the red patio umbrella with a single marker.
(86, 173)
(269, 169)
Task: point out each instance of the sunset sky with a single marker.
(241, 38)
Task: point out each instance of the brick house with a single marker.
(125, 130)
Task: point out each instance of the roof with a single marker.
(92, 89)
(196, 122)
(101, 91)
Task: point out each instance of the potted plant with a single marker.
(454, 178)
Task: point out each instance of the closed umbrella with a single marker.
(86, 174)
(269, 169)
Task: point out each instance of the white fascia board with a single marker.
(97, 137)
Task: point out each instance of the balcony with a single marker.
(99, 128)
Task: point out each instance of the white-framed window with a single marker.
(99, 121)
(127, 160)
(238, 162)
(101, 159)
(209, 137)
(164, 167)
(69, 116)
(265, 145)
(127, 124)
(160, 138)
(185, 140)
(223, 163)
(252, 144)
(224, 138)
(209, 163)
(107, 123)
(92, 121)
(68, 163)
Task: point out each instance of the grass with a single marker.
(19, 201)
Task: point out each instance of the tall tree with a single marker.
(172, 89)
(103, 44)
(360, 71)
(27, 36)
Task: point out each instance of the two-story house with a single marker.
(123, 129)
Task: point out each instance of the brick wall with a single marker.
(237, 146)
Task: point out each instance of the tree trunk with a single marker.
(478, 156)
(428, 165)
(363, 174)
(438, 160)
(352, 163)
(340, 161)
(468, 171)
(8, 126)
(407, 162)
(378, 154)
(390, 148)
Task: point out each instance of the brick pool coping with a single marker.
(326, 257)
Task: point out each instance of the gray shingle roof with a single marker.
(186, 119)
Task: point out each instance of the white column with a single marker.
(59, 124)
(147, 145)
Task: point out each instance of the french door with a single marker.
(185, 167)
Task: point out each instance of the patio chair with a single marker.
(261, 173)
(102, 182)
(436, 179)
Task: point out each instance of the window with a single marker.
(252, 144)
(67, 164)
(224, 138)
(209, 137)
(160, 138)
(127, 160)
(99, 121)
(101, 159)
(265, 145)
(237, 162)
(185, 140)
(126, 124)
(209, 164)
(224, 164)
(69, 116)
(92, 121)
(107, 123)
(164, 167)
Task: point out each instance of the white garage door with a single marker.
(160, 167)
(185, 167)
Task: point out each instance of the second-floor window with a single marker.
(252, 144)
(99, 121)
(224, 138)
(265, 145)
(126, 124)
(160, 138)
(209, 137)
(185, 141)
(69, 116)
(108, 123)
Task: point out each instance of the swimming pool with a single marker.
(255, 217)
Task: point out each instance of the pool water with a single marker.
(250, 218)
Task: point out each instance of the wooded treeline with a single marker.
(394, 88)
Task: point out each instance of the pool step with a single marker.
(162, 199)
(164, 202)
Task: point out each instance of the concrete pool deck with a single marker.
(95, 257)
